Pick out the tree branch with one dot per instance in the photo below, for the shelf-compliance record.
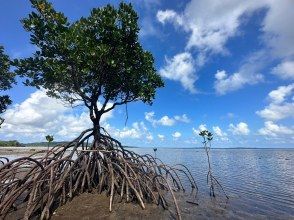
(125, 101)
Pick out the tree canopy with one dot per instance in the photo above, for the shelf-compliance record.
(96, 58)
(6, 80)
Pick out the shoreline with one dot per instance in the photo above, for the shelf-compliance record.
(21, 150)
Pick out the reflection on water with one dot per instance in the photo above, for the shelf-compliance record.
(259, 182)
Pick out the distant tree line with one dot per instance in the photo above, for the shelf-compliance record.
(13, 143)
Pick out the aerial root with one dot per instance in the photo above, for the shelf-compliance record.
(45, 181)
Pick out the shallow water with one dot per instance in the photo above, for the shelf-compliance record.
(259, 182)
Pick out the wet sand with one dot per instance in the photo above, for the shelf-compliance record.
(90, 206)
(94, 206)
(21, 150)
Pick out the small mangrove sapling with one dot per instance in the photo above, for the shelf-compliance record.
(154, 149)
(49, 139)
(211, 180)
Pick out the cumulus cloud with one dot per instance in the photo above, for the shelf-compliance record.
(182, 118)
(181, 68)
(246, 75)
(284, 70)
(39, 115)
(201, 127)
(278, 31)
(149, 137)
(165, 120)
(138, 130)
(176, 135)
(218, 132)
(163, 16)
(276, 112)
(281, 104)
(211, 23)
(239, 129)
(274, 130)
(279, 95)
(161, 137)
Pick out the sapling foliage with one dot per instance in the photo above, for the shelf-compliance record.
(49, 139)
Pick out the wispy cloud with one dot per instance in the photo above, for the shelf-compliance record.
(165, 120)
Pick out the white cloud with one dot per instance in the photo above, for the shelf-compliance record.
(274, 130)
(39, 115)
(218, 132)
(161, 137)
(149, 137)
(181, 68)
(210, 23)
(246, 75)
(176, 135)
(147, 23)
(201, 127)
(234, 82)
(278, 31)
(149, 116)
(284, 70)
(182, 118)
(281, 93)
(276, 112)
(281, 105)
(165, 120)
(221, 135)
(239, 129)
(163, 16)
(138, 130)
(128, 133)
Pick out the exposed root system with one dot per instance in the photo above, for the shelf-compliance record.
(42, 182)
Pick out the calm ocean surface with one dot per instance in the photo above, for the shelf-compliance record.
(259, 182)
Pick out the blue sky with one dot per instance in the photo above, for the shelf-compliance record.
(228, 66)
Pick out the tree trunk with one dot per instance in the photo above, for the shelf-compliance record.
(95, 116)
(96, 131)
